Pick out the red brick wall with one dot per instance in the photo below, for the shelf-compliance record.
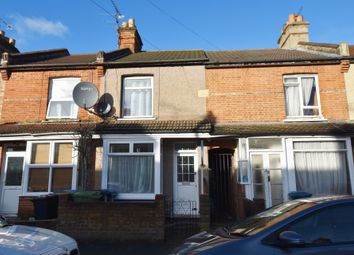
(256, 94)
(120, 220)
(26, 93)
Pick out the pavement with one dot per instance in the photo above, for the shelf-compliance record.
(128, 247)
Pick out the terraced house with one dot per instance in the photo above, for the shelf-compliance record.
(190, 133)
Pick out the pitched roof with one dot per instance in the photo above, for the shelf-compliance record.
(122, 127)
(63, 57)
(280, 128)
(164, 57)
(264, 56)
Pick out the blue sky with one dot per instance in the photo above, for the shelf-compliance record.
(82, 27)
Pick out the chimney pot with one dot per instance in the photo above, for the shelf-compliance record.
(124, 24)
(12, 41)
(131, 23)
(2, 33)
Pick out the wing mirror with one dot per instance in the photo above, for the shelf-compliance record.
(291, 239)
(3, 222)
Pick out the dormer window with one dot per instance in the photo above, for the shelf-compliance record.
(137, 97)
(61, 104)
(302, 96)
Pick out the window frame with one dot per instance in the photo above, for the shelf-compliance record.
(131, 142)
(299, 85)
(123, 96)
(51, 99)
(50, 165)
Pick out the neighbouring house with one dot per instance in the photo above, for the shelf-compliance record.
(190, 133)
(286, 110)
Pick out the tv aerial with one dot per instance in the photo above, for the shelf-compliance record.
(118, 15)
(8, 26)
(85, 95)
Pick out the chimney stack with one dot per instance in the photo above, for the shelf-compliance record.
(129, 37)
(294, 31)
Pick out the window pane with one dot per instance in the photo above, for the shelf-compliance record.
(137, 97)
(143, 147)
(131, 174)
(14, 171)
(61, 179)
(119, 148)
(63, 153)
(185, 146)
(290, 79)
(40, 153)
(292, 100)
(62, 109)
(62, 88)
(38, 180)
(265, 143)
(320, 145)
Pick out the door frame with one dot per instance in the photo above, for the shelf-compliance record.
(266, 174)
(4, 172)
(196, 179)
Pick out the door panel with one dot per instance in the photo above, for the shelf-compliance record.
(267, 177)
(186, 197)
(11, 183)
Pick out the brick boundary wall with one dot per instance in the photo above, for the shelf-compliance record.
(109, 221)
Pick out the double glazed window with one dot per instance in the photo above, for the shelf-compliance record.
(50, 167)
(321, 167)
(131, 168)
(61, 103)
(137, 97)
(302, 96)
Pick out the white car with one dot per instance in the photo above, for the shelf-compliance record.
(25, 240)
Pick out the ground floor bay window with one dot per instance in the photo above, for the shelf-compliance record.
(131, 168)
(50, 167)
(271, 167)
(322, 167)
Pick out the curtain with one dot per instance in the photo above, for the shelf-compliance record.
(293, 107)
(137, 97)
(321, 172)
(309, 94)
(131, 174)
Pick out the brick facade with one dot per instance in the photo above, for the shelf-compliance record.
(26, 93)
(256, 94)
(120, 220)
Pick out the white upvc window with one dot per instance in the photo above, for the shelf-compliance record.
(137, 97)
(50, 167)
(131, 168)
(321, 166)
(61, 104)
(302, 96)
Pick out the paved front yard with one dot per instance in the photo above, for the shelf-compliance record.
(128, 248)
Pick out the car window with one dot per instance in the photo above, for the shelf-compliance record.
(327, 226)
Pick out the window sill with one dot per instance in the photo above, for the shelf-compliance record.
(310, 119)
(140, 197)
(61, 120)
(136, 118)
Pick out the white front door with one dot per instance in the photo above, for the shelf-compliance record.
(186, 195)
(267, 177)
(11, 182)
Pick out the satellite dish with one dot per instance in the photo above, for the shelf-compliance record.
(85, 94)
(104, 105)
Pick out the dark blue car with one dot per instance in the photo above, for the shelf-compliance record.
(307, 226)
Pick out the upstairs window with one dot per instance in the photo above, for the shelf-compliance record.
(137, 97)
(302, 96)
(61, 104)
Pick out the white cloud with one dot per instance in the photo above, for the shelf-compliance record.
(42, 26)
(29, 29)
